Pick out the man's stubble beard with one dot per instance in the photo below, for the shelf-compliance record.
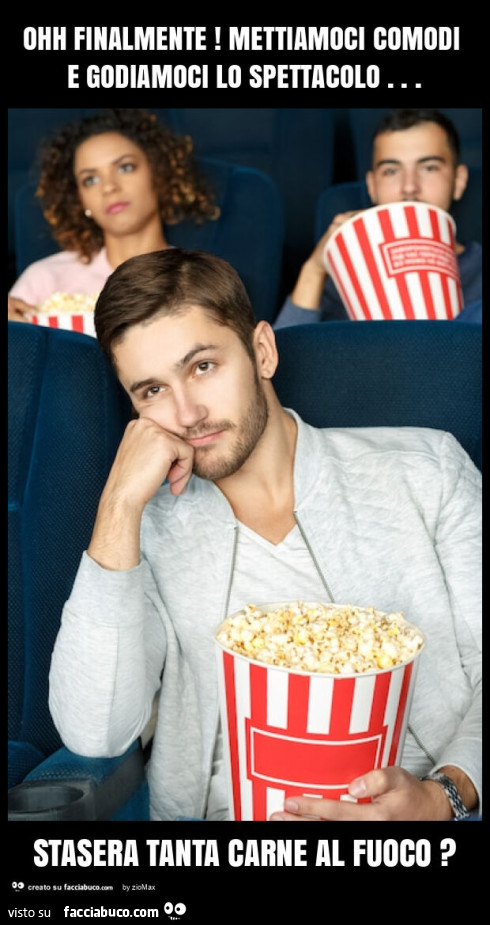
(248, 432)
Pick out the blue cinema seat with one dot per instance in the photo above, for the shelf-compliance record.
(25, 130)
(248, 234)
(293, 146)
(390, 373)
(66, 415)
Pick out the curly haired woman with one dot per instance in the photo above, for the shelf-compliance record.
(108, 185)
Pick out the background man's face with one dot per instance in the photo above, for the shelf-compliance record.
(415, 164)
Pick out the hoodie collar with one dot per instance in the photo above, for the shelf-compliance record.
(306, 460)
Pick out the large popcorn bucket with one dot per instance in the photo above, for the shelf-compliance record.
(396, 262)
(82, 322)
(295, 733)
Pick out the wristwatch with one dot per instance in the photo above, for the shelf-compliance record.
(459, 809)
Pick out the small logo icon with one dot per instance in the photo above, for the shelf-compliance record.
(175, 912)
(17, 885)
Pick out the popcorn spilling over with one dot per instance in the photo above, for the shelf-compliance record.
(66, 302)
(330, 638)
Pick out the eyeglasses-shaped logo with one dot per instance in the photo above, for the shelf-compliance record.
(175, 912)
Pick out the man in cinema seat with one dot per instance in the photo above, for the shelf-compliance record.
(219, 497)
(416, 157)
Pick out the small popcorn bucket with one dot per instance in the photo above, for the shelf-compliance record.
(397, 261)
(293, 733)
(83, 322)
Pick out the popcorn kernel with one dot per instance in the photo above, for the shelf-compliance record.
(328, 638)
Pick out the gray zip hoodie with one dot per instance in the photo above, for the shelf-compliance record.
(391, 517)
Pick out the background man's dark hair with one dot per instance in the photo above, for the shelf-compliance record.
(168, 282)
(403, 119)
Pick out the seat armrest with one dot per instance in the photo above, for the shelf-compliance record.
(68, 787)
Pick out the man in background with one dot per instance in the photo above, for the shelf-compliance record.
(415, 157)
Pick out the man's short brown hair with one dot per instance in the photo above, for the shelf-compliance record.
(167, 282)
(402, 119)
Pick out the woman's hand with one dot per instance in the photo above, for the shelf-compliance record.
(19, 310)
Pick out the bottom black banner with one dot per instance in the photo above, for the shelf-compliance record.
(190, 871)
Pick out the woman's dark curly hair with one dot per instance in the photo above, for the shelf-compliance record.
(182, 192)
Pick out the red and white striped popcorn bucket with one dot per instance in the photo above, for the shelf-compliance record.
(396, 262)
(296, 733)
(83, 322)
